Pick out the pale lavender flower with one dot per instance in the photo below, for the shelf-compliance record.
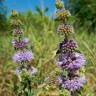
(32, 70)
(75, 84)
(25, 56)
(73, 62)
(18, 71)
(60, 80)
(26, 40)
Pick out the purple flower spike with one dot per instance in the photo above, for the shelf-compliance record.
(32, 70)
(70, 60)
(20, 57)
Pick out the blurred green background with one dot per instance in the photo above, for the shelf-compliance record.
(41, 30)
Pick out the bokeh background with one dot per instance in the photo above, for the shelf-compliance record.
(39, 26)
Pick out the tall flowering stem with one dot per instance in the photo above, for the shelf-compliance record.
(23, 56)
(69, 59)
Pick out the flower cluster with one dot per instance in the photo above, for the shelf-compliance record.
(17, 31)
(20, 44)
(23, 56)
(69, 59)
(62, 14)
(71, 62)
(67, 46)
(74, 84)
(65, 28)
